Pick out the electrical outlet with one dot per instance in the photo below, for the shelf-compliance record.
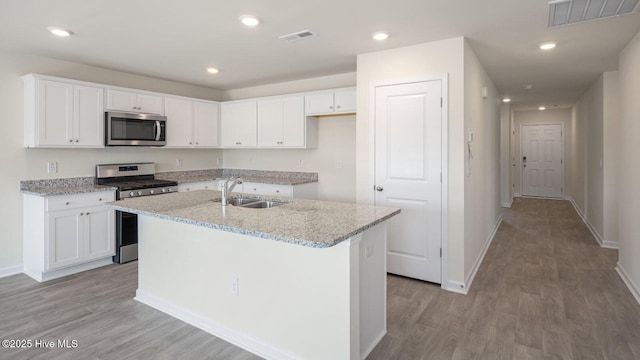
(301, 163)
(235, 286)
(339, 164)
(179, 162)
(368, 251)
(52, 167)
(218, 161)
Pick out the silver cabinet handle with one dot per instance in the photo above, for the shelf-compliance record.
(379, 188)
(70, 140)
(67, 203)
(158, 130)
(87, 213)
(77, 140)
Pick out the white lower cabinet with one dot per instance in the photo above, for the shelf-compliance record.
(301, 191)
(200, 185)
(67, 234)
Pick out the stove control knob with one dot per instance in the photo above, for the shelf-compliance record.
(132, 194)
(164, 190)
(169, 189)
(151, 192)
(140, 193)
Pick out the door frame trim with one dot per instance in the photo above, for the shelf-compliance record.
(562, 163)
(444, 162)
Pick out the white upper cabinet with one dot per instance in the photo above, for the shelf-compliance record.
(129, 101)
(62, 114)
(179, 113)
(335, 102)
(282, 123)
(239, 124)
(192, 123)
(206, 123)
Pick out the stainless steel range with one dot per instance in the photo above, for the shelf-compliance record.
(132, 180)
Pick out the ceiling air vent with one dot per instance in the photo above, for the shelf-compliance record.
(304, 34)
(563, 12)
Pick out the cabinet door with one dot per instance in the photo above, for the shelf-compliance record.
(179, 114)
(239, 124)
(206, 123)
(293, 122)
(150, 104)
(65, 245)
(202, 185)
(88, 116)
(122, 101)
(270, 123)
(345, 101)
(267, 189)
(98, 233)
(318, 104)
(55, 113)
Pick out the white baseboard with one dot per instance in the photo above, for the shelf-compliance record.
(245, 341)
(507, 204)
(455, 286)
(363, 355)
(635, 290)
(483, 252)
(603, 243)
(40, 276)
(515, 195)
(11, 270)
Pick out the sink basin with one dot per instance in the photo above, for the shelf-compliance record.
(239, 201)
(262, 204)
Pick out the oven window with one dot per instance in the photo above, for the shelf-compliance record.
(132, 129)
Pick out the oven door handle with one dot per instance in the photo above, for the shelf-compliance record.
(158, 130)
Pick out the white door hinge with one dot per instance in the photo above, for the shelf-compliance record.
(440, 252)
(441, 177)
(440, 102)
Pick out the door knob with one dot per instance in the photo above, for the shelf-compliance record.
(379, 188)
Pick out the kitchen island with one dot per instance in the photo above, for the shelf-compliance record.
(303, 280)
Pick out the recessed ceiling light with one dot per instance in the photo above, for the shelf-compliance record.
(542, 108)
(528, 87)
(212, 70)
(59, 31)
(547, 46)
(380, 36)
(506, 100)
(250, 20)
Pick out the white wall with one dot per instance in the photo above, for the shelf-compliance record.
(406, 64)
(549, 116)
(482, 185)
(506, 190)
(611, 134)
(333, 159)
(629, 172)
(592, 118)
(24, 164)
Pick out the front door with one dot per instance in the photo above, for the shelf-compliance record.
(408, 165)
(542, 160)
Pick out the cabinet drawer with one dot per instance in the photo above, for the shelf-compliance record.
(63, 202)
(267, 189)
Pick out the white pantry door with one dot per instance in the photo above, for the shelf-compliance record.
(542, 160)
(408, 165)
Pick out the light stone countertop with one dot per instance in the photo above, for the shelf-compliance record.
(258, 176)
(304, 222)
(67, 186)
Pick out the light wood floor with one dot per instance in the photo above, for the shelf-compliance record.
(545, 290)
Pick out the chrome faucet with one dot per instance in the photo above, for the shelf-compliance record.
(227, 189)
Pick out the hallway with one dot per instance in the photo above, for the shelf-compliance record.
(545, 290)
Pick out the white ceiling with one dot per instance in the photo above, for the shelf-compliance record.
(177, 40)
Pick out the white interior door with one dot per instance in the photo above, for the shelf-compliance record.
(408, 165)
(542, 160)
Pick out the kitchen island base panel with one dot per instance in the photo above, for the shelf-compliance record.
(277, 300)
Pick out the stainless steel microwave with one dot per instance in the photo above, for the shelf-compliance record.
(122, 129)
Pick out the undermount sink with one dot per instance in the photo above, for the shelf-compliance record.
(253, 203)
(262, 204)
(239, 201)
